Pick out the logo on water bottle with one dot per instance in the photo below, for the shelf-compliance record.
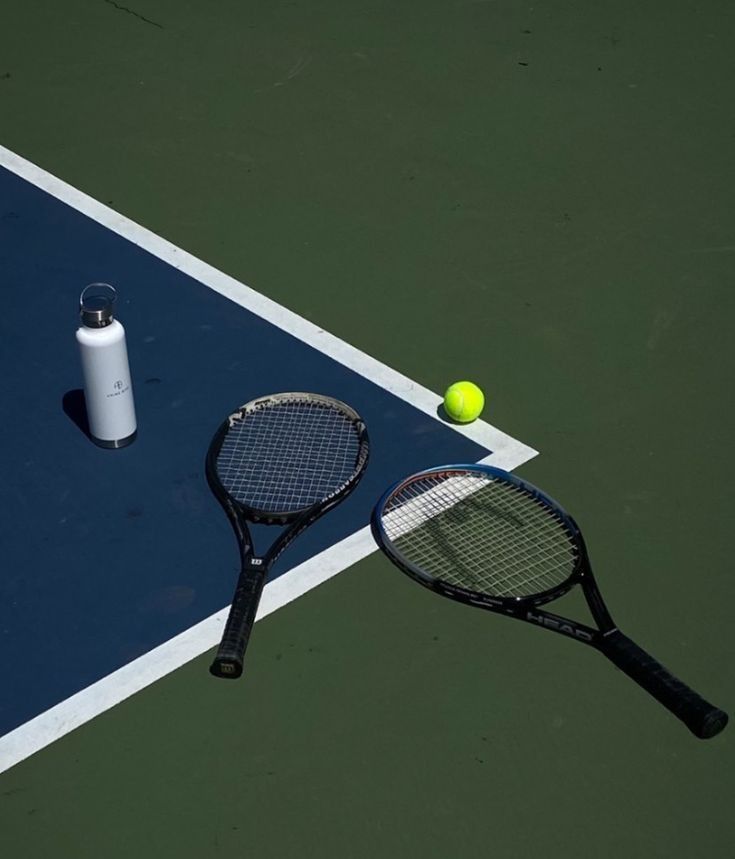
(120, 388)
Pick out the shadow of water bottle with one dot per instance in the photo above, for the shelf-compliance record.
(75, 408)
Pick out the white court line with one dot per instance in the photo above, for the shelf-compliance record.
(429, 503)
(507, 453)
(64, 717)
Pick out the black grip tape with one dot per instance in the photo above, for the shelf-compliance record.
(702, 719)
(231, 651)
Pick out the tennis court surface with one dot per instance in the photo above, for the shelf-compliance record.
(368, 201)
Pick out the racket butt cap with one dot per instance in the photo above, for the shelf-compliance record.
(713, 724)
(226, 668)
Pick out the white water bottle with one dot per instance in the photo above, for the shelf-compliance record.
(108, 389)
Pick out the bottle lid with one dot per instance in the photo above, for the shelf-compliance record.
(96, 304)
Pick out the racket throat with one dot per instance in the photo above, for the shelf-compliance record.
(253, 563)
(602, 616)
(254, 571)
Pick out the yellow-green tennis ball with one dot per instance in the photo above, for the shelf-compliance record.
(463, 402)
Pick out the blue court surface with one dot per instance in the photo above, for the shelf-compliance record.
(119, 565)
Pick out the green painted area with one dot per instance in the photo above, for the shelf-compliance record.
(538, 197)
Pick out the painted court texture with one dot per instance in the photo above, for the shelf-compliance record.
(370, 201)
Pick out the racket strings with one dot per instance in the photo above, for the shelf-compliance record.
(288, 455)
(480, 534)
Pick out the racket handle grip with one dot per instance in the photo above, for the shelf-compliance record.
(230, 655)
(702, 719)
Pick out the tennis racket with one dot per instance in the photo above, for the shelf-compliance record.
(484, 537)
(286, 460)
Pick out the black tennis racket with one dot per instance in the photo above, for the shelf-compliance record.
(484, 537)
(285, 459)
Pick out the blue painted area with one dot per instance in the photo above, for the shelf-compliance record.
(107, 554)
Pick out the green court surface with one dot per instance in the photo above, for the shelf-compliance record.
(535, 196)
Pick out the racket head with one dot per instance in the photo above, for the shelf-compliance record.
(279, 456)
(480, 535)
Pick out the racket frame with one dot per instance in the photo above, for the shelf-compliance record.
(701, 717)
(254, 569)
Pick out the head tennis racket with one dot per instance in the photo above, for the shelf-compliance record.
(484, 537)
(286, 460)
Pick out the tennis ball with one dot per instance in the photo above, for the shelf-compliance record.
(463, 402)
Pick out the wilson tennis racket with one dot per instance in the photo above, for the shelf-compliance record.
(286, 460)
(484, 537)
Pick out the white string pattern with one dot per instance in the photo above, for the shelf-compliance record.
(473, 531)
(287, 455)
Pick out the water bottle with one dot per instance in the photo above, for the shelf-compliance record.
(108, 390)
